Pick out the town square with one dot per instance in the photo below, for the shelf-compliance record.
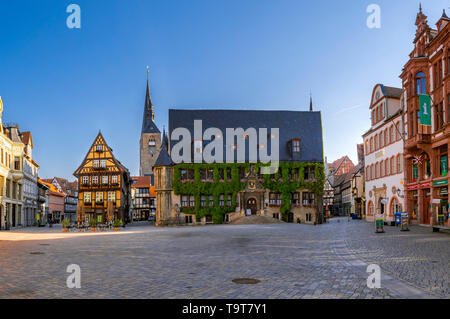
(195, 151)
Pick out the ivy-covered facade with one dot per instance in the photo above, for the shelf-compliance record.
(201, 193)
(216, 190)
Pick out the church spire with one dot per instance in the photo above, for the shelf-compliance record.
(148, 121)
(311, 108)
(165, 139)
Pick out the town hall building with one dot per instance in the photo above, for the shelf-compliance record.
(192, 192)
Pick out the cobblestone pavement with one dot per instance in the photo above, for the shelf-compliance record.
(419, 257)
(290, 260)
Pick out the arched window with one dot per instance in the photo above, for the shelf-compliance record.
(421, 83)
(395, 207)
(371, 144)
(382, 169)
(399, 163)
(386, 137)
(367, 147)
(377, 170)
(376, 142)
(386, 165)
(393, 170)
(381, 139)
(397, 129)
(391, 133)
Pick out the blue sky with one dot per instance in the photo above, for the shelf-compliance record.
(66, 84)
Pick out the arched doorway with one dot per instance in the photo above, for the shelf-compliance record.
(252, 205)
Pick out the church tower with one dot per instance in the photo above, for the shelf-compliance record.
(150, 143)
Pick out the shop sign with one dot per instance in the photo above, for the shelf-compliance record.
(442, 182)
(412, 187)
(425, 185)
(436, 201)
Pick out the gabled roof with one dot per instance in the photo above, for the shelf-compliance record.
(116, 162)
(52, 190)
(27, 138)
(337, 163)
(65, 187)
(306, 126)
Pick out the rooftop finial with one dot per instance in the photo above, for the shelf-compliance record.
(420, 7)
(311, 108)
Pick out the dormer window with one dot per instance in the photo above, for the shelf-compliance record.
(99, 148)
(294, 147)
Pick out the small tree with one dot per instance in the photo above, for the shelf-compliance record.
(117, 223)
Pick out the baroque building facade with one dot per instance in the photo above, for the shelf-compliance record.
(201, 193)
(104, 185)
(30, 185)
(18, 172)
(383, 146)
(426, 77)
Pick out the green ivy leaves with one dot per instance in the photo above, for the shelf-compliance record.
(279, 182)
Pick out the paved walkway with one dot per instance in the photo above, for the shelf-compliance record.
(290, 260)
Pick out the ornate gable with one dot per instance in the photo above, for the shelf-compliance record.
(99, 159)
(252, 181)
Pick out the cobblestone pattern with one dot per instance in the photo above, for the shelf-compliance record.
(290, 260)
(419, 257)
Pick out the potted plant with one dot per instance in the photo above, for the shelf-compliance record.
(92, 223)
(65, 224)
(117, 223)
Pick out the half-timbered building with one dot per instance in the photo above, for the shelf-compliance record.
(104, 185)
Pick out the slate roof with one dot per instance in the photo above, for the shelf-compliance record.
(306, 126)
(390, 91)
(163, 158)
(148, 126)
